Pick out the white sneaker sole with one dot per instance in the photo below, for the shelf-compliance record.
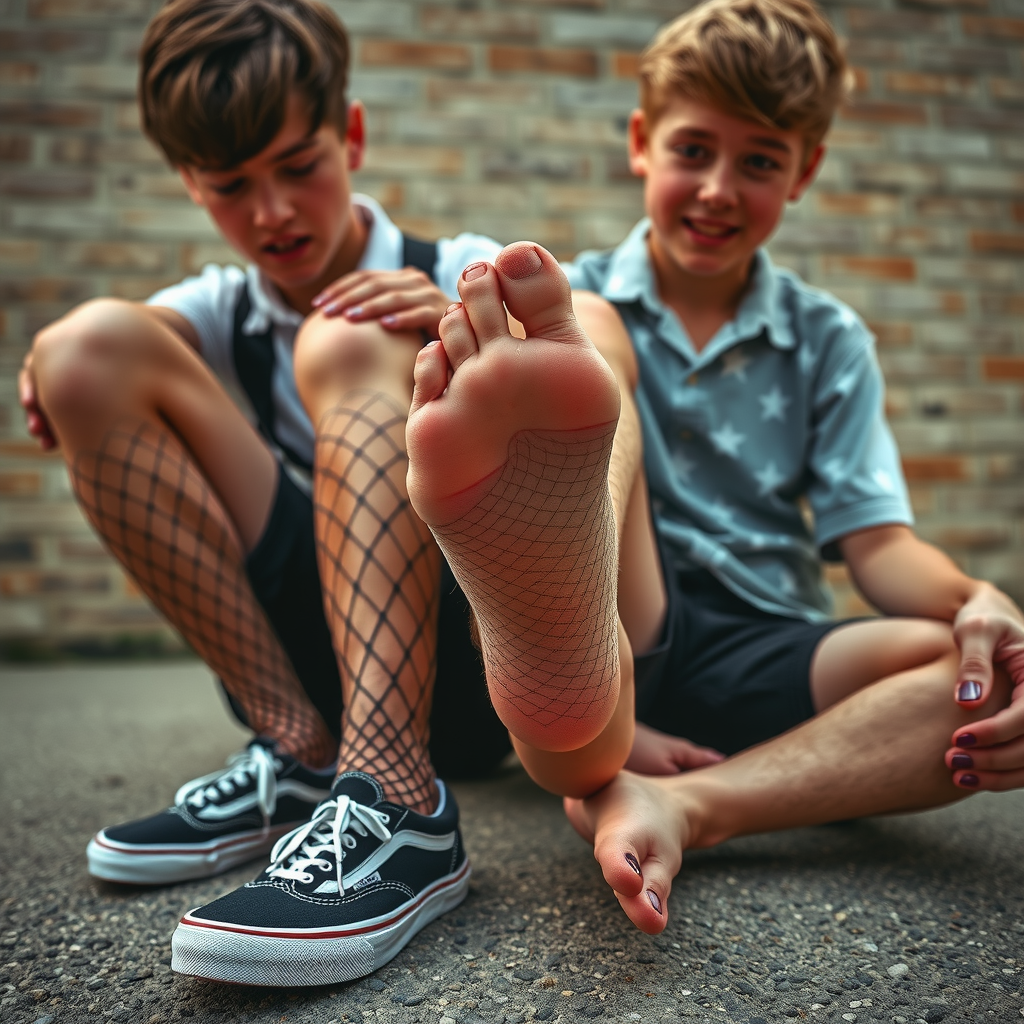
(308, 956)
(162, 865)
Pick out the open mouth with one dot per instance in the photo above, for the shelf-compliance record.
(287, 246)
(712, 232)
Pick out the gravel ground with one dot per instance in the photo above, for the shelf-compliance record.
(905, 919)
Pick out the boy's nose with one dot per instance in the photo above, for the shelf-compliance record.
(272, 207)
(718, 189)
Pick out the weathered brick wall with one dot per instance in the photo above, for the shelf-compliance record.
(508, 117)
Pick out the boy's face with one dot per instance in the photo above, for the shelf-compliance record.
(288, 208)
(716, 186)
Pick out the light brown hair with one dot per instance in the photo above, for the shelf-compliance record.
(776, 62)
(216, 75)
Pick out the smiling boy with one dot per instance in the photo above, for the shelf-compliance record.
(760, 399)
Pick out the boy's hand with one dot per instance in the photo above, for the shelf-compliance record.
(657, 753)
(402, 300)
(35, 418)
(989, 754)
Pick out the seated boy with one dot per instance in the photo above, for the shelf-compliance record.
(756, 393)
(282, 543)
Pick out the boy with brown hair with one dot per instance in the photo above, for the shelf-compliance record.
(241, 449)
(758, 394)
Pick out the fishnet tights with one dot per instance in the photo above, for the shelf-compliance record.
(536, 558)
(380, 571)
(161, 520)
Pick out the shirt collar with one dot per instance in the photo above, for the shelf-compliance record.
(631, 279)
(383, 251)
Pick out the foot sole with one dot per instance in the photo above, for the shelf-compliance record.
(112, 861)
(306, 956)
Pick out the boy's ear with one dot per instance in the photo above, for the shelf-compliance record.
(638, 142)
(185, 173)
(807, 175)
(355, 135)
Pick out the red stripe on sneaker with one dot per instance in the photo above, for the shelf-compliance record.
(327, 933)
(198, 851)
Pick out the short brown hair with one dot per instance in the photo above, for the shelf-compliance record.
(777, 62)
(216, 75)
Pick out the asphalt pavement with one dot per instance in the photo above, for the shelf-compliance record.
(903, 919)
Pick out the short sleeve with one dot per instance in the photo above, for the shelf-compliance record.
(208, 303)
(455, 254)
(856, 476)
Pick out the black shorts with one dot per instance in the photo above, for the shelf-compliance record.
(725, 674)
(467, 738)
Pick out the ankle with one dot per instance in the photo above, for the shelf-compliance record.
(703, 804)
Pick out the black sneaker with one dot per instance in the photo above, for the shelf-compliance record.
(218, 821)
(342, 896)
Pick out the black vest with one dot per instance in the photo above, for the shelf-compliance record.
(254, 353)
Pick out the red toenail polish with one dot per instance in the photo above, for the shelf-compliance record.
(655, 900)
(473, 271)
(634, 864)
(454, 306)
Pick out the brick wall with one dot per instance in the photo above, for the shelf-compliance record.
(507, 117)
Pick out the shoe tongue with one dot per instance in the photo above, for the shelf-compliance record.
(357, 786)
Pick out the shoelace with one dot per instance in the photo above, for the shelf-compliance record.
(328, 832)
(255, 761)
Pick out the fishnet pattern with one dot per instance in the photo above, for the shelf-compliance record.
(161, 520)
(381, 573)
(536, 558)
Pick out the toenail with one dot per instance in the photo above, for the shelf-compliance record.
(473, 271)
(968, 690)
(961, 761)
(655, 900)
(635, 864)
(454, 306)
(969, 780)
(966, 739)
(520, 263)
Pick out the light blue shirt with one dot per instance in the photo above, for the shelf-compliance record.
(767, 446)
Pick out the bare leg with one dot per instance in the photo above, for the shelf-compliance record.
(178, 485)
(379, 565)
(879, 751)
(510, 464)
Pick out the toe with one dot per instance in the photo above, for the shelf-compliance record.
(480, 291)
(536, 292)
(430, 376)
(457, 335)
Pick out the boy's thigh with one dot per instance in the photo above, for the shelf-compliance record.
(726, 675)
(467, 737)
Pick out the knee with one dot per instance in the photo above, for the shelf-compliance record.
(77, 359)
(333, 355)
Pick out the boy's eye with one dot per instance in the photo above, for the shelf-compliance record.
(692, 151)
(760, 162)
(301, 171)
(227, 188)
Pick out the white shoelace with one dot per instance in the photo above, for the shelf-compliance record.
(253, 762)
(330, 831)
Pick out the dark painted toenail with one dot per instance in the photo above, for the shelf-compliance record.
(961, 761)
(966, 739)
(520, 263)
(473, 271)
(968, 780)
(655, 900)
(635, 864)
(454, 306)
(969, 690)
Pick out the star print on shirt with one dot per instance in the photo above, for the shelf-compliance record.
(722, 512)
(834, 469)
(884, 481)
(727, 440)
(735, 363)
(773, 405)
(768, 478)
(683, 466)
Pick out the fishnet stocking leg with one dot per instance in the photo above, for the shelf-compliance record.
(381, 572)
(162, 521)
(536, 558)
